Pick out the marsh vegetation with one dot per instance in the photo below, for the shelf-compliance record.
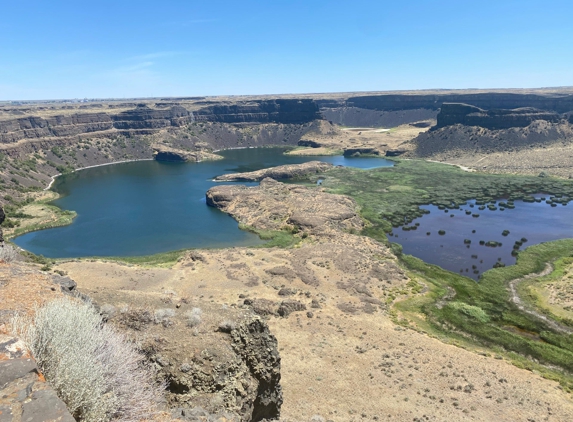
(456, 308)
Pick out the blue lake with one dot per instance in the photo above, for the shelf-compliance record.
(148, 207)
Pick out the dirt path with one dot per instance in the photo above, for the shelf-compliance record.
(520, 304)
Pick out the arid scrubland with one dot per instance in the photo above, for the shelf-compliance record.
(327, 321)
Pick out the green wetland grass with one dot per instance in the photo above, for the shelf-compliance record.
(391, 197)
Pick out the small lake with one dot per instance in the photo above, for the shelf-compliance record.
(148, 207)
(535, 221)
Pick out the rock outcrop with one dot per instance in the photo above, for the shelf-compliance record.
(165, 153)
(275, 206)
(288, 171)
(243, 380)
(253, 342)
(456, 113)
(286, 111)
(24, 393)
(457, 140)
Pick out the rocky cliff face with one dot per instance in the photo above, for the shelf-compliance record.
(360, 117)
(32, 127)
(37, 127)
(291, 111)
(147, 120)
(459, 140)
(487, 101)
(455, 113)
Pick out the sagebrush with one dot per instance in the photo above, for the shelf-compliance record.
(8, 253)
(96, 371)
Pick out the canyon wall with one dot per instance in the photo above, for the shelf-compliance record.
(286, 111)
(454, 113)
(487, 101)
(146, 120)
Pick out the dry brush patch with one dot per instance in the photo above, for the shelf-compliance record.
(96, 371)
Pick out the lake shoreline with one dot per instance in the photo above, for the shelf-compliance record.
(94, 166)
(265, 157)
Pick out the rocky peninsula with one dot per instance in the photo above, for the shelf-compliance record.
(288, 171)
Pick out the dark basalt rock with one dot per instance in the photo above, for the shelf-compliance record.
(394, 152)
(354, 152)
(308, 143)
(24, 395)
(468, 115)
(487, 101)
(268, 111)
(259, 350)
(289, 306)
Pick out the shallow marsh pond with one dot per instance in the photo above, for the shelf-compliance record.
(464, 248)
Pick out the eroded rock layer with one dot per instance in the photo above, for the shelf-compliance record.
(288, 171)
(275, 206)
(455, 113)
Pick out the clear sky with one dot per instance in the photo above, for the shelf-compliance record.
(127, 48)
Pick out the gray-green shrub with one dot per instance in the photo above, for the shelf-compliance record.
(96, 371)
(8, 253)
(194, 317)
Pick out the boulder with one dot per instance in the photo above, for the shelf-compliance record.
(24, 394)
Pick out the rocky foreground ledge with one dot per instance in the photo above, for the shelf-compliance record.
(288, 171)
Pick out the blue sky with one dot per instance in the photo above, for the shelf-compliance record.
(125, 48)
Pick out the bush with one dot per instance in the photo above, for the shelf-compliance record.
(95, 370)
(163, 316)
(8, 253)
(194, 317)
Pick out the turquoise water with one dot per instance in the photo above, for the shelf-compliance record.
(148, 207)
